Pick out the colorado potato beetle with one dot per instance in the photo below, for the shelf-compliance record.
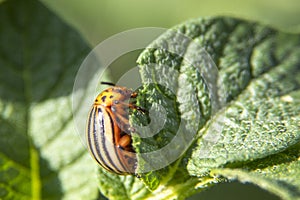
(108, 130)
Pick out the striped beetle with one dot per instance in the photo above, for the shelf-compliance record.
(108, 130)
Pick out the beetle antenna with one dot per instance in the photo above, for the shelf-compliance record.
(107, 83)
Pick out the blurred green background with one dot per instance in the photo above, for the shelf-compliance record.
(97, 20)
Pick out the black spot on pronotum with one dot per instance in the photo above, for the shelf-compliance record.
(103, 98)
(111, 96)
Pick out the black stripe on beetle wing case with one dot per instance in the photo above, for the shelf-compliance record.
(92, 139)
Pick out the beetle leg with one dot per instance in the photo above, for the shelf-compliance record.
(120, 110)
(123, 124)
(128, 105)
(133, 94)
(135, 107)
(124, 141)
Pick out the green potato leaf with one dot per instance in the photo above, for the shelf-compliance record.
(240, 112)
(41, 155)
(126, 187)
(278, 173)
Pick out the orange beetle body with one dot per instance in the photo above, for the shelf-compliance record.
(108, 130)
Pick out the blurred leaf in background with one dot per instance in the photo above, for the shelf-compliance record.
(41, 155)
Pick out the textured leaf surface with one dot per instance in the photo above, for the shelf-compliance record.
(41, 155)
(121, 187)
(258, 115)
(278, 173)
